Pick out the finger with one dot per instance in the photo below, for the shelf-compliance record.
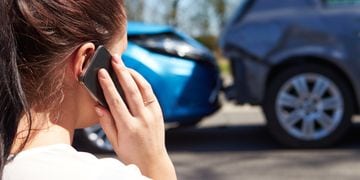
(107, 123)
(131, 91)
(148, 95)
(116, 104)
(144, 86)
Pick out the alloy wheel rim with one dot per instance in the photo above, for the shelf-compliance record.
(97, 137)
(309, 106)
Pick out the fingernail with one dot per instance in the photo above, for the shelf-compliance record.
(99, 112)
(102, 73)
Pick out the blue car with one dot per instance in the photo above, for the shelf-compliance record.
(183, 73)
(299, 60)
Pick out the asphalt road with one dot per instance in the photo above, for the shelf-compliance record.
(234, 144)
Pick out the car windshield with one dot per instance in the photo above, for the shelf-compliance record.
(241, 10)
(242, 5)
(341, 2)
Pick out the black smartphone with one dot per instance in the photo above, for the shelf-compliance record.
(101, 59)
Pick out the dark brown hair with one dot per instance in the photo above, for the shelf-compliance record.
(36, 37)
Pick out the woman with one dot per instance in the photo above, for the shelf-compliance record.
(44, 46)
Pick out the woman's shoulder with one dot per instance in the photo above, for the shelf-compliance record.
(53, 154)
(50, 162)
(64, 162)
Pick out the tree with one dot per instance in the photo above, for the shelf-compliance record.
(200, 17)
(220, 10)
(173, 12)
(135, 9)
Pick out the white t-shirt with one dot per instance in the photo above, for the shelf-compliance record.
(63, 162)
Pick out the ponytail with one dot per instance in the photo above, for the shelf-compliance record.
(12, 99)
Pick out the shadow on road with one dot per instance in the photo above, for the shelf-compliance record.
(238, 138)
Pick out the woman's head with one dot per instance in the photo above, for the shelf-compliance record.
(39, 40)
(47, 32)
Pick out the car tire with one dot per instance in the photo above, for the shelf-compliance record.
(92, 140)
(320, 113)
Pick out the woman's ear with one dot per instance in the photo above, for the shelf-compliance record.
(81, 58)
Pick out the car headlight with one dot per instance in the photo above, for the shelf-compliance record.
(169, 44)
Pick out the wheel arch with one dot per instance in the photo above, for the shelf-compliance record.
(298, 60)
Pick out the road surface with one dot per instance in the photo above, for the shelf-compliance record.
(234, 144)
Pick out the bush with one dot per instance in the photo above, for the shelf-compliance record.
(209, 41)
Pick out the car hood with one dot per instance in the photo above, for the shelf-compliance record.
(140, 28)
(136, 28)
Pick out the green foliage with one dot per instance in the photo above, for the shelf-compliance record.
(193, 17)
(209, 41)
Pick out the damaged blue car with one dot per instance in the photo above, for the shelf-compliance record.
(299, 60)
(183, 73)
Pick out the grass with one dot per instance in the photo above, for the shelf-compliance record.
(224, 64)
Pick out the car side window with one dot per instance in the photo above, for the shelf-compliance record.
(335, 3)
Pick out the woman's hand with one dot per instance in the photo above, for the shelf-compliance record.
(137, 134)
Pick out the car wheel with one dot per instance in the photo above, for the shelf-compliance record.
(308, 106)
(93, 139)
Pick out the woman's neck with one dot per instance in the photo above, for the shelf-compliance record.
(44, 131)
